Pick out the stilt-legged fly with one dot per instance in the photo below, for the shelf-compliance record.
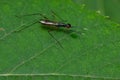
(47, 22)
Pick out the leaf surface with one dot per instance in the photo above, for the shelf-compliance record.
(34, 54)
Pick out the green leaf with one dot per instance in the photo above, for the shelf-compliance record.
(110, 8)
(90, 53)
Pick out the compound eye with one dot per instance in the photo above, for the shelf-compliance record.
(68, 25)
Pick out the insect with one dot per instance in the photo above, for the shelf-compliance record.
(47, 22)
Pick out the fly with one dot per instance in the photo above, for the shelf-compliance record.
(56, 24)
(47, 22)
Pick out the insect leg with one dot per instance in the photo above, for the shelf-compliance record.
(54, 14)
(55, 39)
(32, 15)
(24, 27)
